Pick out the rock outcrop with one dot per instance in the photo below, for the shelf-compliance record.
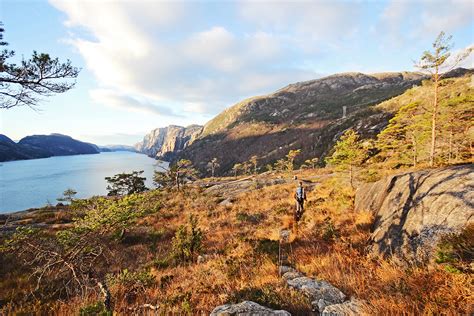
(247, 308)
(165, 143)
(43, 146)
(413, 210)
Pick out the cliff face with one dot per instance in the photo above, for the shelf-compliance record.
(413, 210)
(165, 143)
(43, 146)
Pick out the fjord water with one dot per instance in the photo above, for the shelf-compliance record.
(32, 183)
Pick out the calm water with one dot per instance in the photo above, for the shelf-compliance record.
(32, 183)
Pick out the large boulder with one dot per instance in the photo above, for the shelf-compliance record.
(413, 210)
(247, 308)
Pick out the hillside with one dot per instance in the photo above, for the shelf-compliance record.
(306, 115)
(43, 146)
(238, 223)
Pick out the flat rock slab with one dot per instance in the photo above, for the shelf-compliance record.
(247, 308)
(321, 293)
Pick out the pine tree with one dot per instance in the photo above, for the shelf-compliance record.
(404, 140)
(434, 63)
(348, 153)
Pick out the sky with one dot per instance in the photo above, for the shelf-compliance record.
(148, 64)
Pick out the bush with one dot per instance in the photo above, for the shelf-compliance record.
(457, 250)
(268, 247)
(187, 243)
(251, 218)
(135, 279)
(96, 309)
(265, 296)
(328, 230)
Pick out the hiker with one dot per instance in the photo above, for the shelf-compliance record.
(300, 197)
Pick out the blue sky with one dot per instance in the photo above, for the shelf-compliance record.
(148, 64)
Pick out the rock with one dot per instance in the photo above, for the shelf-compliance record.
(200, 259)
(285, 269)
(164, 143)
(413, 210)
(285, 235)
(290, 275)
(348, 308)
(246, 308)
(321, 293)
(226, 202)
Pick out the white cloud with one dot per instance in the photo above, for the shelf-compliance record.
(316, 20)
(178, 55)
(199, 69)
(113, 99)
(404, 20)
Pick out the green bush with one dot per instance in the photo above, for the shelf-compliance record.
(187, 243)
(132, 281)
(456, 250)
(96, 309)
(268, 247)
(328, 230)
(265, 296)
(250, 218)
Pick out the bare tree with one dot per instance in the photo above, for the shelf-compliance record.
(213, 165)
(254, 161)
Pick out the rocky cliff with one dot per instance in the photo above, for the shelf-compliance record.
(165, 143)
(413, 210)
(43, 146)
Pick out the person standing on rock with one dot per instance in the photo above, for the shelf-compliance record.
(300, 198)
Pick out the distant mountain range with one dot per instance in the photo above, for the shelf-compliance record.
(44, 146)
(306, 115)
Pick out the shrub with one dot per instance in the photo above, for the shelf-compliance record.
(251, 218)
(268, 247)
(456, 250)
(187, 243)
(96, 309)
(328, 230)
(265, 296)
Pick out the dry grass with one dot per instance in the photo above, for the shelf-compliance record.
(239, 247)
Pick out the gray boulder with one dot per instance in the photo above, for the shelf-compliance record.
(291, 274)
(246, 308)
(348, 308)
(413, 210)
(321, 293)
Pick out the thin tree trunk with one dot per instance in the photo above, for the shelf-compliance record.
(434, 121)
(350, 176)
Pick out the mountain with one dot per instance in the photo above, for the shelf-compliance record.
(110, 148)
(43, 146)
(166, 142)
(306, 115)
